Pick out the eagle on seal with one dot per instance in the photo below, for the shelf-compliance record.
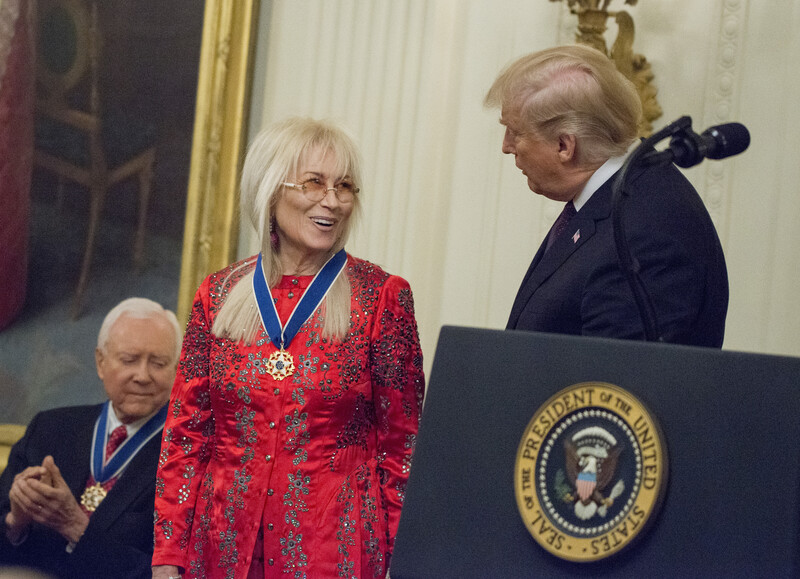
(591, 462)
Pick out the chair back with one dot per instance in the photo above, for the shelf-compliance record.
(67, 44)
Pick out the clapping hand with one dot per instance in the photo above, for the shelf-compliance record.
(40, 494)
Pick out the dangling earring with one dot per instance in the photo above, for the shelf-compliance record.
(273, 235)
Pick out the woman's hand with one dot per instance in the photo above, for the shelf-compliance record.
(165, 572)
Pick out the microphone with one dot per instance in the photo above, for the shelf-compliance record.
(726, 140)
(687, 148)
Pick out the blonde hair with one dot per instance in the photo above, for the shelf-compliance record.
(274, 155)
(574, 90)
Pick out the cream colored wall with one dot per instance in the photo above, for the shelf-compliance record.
(446, 210)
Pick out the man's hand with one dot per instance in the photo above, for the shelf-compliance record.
(44, 497)
(22, 498)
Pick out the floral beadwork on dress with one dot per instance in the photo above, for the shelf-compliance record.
(316, 464)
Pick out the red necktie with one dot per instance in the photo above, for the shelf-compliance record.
(118, 435)
(561, 224)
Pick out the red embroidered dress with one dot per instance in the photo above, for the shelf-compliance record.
(318, 462)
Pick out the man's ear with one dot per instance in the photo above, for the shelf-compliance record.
(566, 148)
(98, 360)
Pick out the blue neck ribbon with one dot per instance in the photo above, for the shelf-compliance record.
(127, 450)
(281, 335)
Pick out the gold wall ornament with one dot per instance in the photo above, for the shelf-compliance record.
(223, 93)
(592, 18)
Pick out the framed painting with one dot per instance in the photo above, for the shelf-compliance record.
(184, 69)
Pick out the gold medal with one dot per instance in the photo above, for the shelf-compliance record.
(93, 496)
(280, 364)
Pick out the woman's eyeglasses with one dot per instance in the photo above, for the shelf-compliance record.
(315, 190)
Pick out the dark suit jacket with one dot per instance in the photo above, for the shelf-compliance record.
(578, 287)
(119, 539)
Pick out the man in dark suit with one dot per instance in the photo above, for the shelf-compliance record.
(571, 120)
(77, 495)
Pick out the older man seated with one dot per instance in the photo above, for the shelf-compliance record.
(77, 495)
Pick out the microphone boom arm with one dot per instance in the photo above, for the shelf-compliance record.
(686, 149)
(628, 264)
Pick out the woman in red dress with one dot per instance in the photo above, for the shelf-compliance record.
(295, 410)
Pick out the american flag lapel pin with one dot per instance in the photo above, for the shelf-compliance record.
(576, 237)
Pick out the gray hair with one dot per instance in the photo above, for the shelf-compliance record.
(139, 308)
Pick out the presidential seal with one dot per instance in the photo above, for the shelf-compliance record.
(590, 472)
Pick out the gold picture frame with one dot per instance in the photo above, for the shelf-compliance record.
(223, 96)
